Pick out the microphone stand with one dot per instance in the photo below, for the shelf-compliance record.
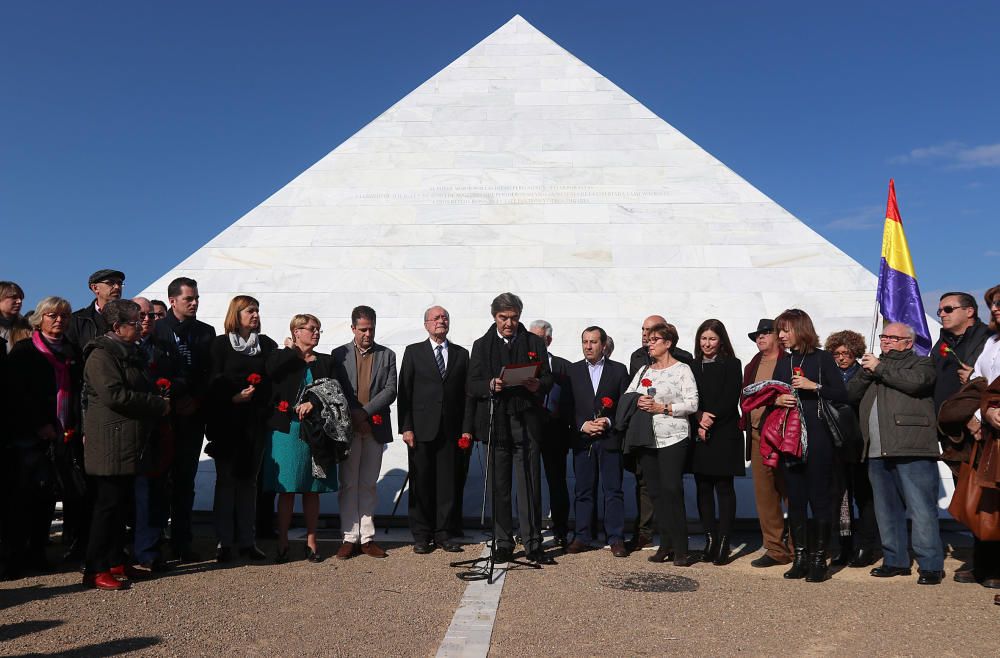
(484, 568)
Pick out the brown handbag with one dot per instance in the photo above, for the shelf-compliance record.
(974, 506)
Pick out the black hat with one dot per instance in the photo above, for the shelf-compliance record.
(764, 326)
(101, 275)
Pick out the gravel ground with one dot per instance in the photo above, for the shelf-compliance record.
(589, 604)
(399, 606)
(575, 609)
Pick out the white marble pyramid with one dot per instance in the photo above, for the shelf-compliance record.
(518, 167)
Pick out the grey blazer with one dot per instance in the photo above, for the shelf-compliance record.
(383, 389)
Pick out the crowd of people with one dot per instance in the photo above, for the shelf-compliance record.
(108, 409)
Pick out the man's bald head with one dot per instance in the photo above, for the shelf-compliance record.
(648, 324)
(145, 315)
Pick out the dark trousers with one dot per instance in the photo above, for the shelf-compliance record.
(985, 559)
(810, 484)
(663, 469)
(27, 502)
(106, 545)
(518, 457)
(590, 466)
(151, 509)
(643, 501)
(554, 450)
(461, 474)
(710, 486)
(189, 434)
(851, 487)
(432, 488)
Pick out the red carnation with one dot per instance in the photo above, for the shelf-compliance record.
(253, 379)
(607, 403)
(163, 384)
(69, 435)
(945, 351)
(646, 382)
(798, 371)
(464, 442)
(376, 419)
(532, 355)
(283, 406)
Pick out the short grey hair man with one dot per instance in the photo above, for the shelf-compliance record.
(546, 328)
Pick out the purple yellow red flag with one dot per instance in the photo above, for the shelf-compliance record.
(898, 293)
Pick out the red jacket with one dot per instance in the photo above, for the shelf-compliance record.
(782, 431)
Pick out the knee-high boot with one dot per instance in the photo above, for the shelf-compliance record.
(818, 569)
(800, 539)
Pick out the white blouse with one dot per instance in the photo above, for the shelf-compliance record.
(675, 385)
(988, 363)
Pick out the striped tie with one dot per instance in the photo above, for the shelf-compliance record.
(440, 360)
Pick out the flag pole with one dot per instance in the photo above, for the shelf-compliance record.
(871, 342)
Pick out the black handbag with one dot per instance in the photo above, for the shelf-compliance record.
(845, 429)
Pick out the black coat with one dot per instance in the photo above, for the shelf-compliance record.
(814, 364)
(719, 387)
(85, 325)
(559, 430)
(587, 404)
(516, 399)
(640, 358)
(230, 425)
(190, 379)
(967, 347)
(31, 390)
(426, 403)
(286, 371)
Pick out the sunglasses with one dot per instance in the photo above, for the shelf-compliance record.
(995, 303)
(944, 310)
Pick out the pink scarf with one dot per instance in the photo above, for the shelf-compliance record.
(64, 387)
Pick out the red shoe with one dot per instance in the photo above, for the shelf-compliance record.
(103, 580)
(128, 572)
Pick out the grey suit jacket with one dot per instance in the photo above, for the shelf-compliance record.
(383, 389)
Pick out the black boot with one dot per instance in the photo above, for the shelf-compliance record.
(797, 530)
(723, 552)
(711, 547)
(845, 551)
(818, 569)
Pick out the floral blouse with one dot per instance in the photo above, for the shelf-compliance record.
(675, 385)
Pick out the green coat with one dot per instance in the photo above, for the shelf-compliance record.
(121, 407)
(903, 384)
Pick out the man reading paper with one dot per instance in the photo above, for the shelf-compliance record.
(517, 423)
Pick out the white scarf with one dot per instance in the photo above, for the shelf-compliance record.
(250, 346)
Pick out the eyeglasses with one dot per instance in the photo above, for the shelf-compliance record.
(151, 316)
(948, 309)
(312, 330)
(113, 283)
(892, 339)
(843, 353)
(995, 303)
(56, 316)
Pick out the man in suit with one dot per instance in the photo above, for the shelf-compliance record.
(192, 340)
(431, 412)
(367, 374)
(557, 435)
(517, 416)
(643, 535)
(596, 381)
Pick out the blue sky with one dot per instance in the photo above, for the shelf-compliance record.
(133, 132)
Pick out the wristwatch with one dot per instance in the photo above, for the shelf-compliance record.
(818, 387)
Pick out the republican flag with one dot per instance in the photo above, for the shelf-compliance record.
(898, 294)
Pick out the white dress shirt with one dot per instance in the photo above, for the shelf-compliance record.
(444, 349)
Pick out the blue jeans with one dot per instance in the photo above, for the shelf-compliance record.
(151, 508)
(904, 487)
